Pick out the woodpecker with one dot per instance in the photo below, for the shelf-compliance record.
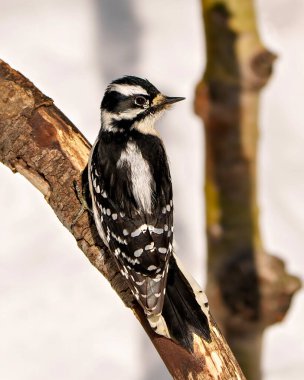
(131, 192)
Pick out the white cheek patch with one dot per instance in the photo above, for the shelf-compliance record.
(107, 117)
(127, 90)
(128, 114)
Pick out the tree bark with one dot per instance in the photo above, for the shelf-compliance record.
(247, 288)
(39, 142)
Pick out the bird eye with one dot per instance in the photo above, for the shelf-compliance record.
(140, 101)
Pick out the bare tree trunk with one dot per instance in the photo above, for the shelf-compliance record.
(39, 142)
(248, 289)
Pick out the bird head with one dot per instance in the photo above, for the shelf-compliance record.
(133, 103)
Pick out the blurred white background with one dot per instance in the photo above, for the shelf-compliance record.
(58, 317)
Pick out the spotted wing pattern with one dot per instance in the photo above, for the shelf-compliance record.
(140, 243)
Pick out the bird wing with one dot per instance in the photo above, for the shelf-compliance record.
(141, 243)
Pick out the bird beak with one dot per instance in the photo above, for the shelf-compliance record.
(171, 100)
(161, 101)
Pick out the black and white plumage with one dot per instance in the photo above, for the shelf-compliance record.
(131, 191)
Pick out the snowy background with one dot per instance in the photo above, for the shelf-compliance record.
(58, 317)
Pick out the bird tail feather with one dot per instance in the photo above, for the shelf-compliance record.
(185, 311)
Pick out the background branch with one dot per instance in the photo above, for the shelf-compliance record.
(39, 142)
(248, 288)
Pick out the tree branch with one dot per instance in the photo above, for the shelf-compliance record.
(39, 142)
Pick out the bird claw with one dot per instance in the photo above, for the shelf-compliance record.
(81, 195)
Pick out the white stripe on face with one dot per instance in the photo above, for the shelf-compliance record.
(127, 90)
(128, 114)
(108, 117)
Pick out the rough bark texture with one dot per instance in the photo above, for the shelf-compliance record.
(39, 142)
(247, 288)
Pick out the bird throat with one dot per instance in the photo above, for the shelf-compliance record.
(147, 125)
